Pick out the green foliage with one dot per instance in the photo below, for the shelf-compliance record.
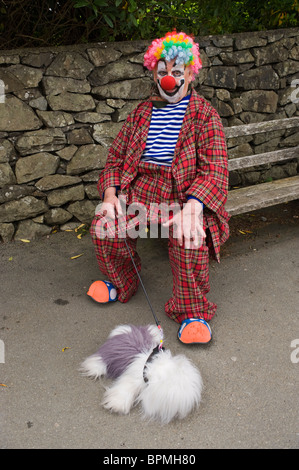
(57, 22)
(134, 19)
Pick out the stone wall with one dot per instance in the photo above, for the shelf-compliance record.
(62, 108)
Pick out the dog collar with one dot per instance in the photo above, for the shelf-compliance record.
(155, 351)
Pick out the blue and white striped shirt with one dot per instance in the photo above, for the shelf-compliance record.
(163, 133)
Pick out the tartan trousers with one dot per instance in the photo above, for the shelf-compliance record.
(190, 267)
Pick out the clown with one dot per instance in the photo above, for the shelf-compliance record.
(170, 151)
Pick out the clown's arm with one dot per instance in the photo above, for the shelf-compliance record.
(110, 177)
(210, 185)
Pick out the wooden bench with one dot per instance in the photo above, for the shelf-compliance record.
(262, 195)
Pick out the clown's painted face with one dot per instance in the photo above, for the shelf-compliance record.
(181, 77)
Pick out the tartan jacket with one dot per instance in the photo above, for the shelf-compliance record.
(199, 165)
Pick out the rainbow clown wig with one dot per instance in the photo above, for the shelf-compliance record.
(174, 45)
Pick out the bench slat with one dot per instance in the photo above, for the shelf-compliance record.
(263, 158)
(259, 127)
(262, 195)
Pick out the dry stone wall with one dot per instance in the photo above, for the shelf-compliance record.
(61, 108)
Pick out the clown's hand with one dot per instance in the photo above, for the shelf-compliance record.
(188, 225)
(111, 204)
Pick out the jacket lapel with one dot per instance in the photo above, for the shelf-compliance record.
(140, 135)
(137, 143)
(187, 122)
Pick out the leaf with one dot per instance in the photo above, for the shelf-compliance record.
(24, 240)
(80, 4)
(3, 385)
(80, 226)
(241, 231)
(95, 10)
(10, 259)
(100, 3)
(77, 256)
(108, 21)
(133, 19)
(63, 349)
(132, 6)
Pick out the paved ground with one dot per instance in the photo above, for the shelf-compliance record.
(250, 398)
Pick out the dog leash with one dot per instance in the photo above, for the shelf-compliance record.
(147, 298)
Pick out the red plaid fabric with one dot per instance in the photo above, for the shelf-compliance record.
(115, 263)
(154, 187)
(190, 269)
(199, 169)
(199, 166)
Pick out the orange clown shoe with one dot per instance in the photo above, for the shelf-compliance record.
(195, 331)
(102, 292)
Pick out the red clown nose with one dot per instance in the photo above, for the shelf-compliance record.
(168, 83)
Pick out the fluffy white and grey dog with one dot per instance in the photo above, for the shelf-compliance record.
(166, 386)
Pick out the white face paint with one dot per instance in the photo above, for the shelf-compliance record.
(182, 78)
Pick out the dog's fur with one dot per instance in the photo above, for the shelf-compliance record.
(166, 386)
